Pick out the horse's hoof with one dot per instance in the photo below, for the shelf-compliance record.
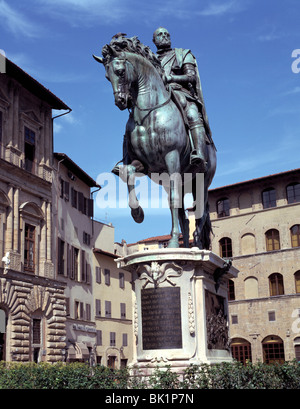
(137, 214)
(116, 170)
(173, 243)
(197, 242)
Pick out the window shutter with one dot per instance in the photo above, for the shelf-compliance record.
(83, 266)
(98, 275)
(90, 208)
(125, 340)
(88, 273)
(99, 337)
(81, 311)
(66, 191)
(123, 310)
(98, 308)
(107, 309)
(107, 276)
(80, 202)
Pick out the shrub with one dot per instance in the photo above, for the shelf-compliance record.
(80, 376)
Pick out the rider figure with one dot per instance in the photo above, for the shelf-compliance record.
(183, 80)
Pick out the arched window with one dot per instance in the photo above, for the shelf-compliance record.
(273, 350)
(269, 198)
(251, 287)
(225, 247)
(223, 207)
(297, 281)
(272, 240)
(276, 284)
(231, 290)
(293, 193)
(297, 348)
(241, 350)
(295, 235)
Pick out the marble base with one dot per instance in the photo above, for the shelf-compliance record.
(180, 307)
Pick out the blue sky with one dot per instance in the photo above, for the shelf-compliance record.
(244, 52)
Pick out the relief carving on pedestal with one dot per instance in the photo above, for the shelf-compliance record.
(156, 274)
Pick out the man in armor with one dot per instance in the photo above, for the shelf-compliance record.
(183, 80)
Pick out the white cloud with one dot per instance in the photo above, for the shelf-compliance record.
(15, 22)
(218, 9)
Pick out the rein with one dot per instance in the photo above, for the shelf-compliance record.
(156, 106)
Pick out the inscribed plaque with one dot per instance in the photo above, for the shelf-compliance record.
(161, 318)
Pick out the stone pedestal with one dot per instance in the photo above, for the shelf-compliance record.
(181, 307)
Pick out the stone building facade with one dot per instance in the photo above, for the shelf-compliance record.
(256, 223)
(74, 241)
(32, 302)
(112, 288)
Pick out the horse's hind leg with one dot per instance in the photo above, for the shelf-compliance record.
(175, 201)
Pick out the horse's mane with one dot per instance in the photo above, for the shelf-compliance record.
(132, 45)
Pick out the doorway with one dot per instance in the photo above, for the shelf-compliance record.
(3, 322)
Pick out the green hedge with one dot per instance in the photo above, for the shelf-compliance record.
(81, 376)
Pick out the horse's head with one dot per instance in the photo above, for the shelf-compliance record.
(119, 72)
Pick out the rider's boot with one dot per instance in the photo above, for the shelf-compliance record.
(199, 154)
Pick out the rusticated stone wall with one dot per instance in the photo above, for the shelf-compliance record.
(23, 300)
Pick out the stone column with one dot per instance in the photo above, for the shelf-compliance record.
(10, 221)
(16, 243)
(49, 232)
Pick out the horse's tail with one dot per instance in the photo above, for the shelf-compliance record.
(207, 230)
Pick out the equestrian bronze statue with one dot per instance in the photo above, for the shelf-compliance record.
(167, 131)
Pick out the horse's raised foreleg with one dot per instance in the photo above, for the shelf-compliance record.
(175, 198)
(128, 174)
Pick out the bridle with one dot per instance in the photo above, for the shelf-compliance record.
(150, 109)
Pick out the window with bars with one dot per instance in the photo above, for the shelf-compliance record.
(241, 350)
(29, 248)
(36, 331)
(273, 350)
(272, 240)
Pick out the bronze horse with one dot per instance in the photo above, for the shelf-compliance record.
(156, 138)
